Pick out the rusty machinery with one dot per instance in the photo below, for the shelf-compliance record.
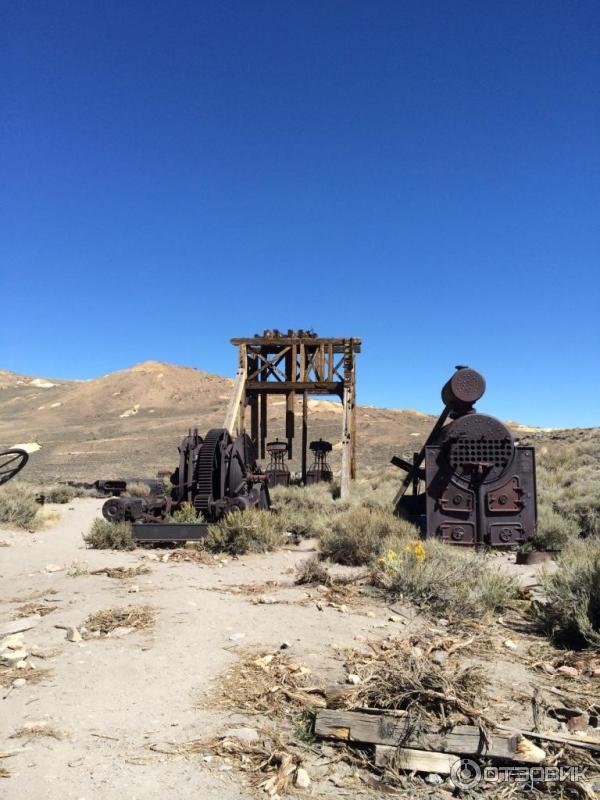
(12, 462)
(277, 472)
(480, 487)
(320, 470)
(216, 474)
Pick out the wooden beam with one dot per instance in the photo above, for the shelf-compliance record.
(231, 421)
(263, 424)
(414, 760)
(290, 405)
(356, 726)
(282, 387)
(304, 444)
(254, 421)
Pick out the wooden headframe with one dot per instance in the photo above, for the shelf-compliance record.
(290, 364)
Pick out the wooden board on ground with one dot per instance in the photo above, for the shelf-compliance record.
(414, 760)
(384, 729)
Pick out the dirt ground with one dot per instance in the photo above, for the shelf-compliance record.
(114, 698)
(120, 702)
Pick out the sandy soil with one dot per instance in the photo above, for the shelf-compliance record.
(115, 697)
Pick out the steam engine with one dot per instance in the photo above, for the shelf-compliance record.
(479, 486)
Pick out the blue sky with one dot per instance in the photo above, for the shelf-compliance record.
(425, 175)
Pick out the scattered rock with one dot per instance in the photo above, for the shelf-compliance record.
(14, 642)
(152, 557)
(73, 635)
(242, 734)
(434, 778)
(54, 568)
(548, 668)
(237, 637)
(509, 644)
(284, 646)
(19, 682)
(570, 672)
(133, 588)
(119, 633)
(353, 679)
(264, 600)
(302, 780)
(595, 673)
(12, 658)
(578, 722)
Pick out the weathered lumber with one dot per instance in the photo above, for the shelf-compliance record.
(384, 729)
(585, 744)
(414, 760)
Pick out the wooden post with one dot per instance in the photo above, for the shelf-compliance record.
(263, 423)
(290, 403)
(254, 420)
(304, 434)
(346, 444)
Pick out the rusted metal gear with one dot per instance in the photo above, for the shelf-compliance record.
(12, 462)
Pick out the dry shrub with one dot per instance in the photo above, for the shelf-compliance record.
(122, 573)
(312, 571)
(137, 489)
(401, 675)
(104, 535)
(265, 684)
(570, 613)
(78, 568)
(4, 773)
(58, 493)
(186, 514)
(18, 506)
(194, 553)
(446, 579)
(304, 509)
(251, 531)
(109, 619)
(35, 608)
(554, 531)
(358, 535)
(34, 729)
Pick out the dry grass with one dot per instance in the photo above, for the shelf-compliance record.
(357, 536)
(35, 608)
(35, 595)
(446, 580)
(194, 554)
(37, 729)
(104, 535)
(312, 572)
(109, 619)
(9, 674)
(270, 684)
(401, 675)
(122, 573)
(18, 506)
(252, 531)
(570, 613)
(138, 489)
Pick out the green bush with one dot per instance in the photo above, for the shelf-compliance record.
(186, 514)
(18, 507)
(58, 493)
(136, 489)
(251, 531)
(446, 579)
(570, 613)
(358, 535)
(104, 535)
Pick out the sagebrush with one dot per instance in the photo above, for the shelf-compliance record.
(104, 535)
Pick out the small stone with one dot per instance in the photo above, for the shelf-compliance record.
(439, 656)
(133, 588)
(596, 673)
(548, 668)
(237, 637)
(118, 633)
(73, 635)
(353, 679)
(14, 642)
(242, 734)
(370, 614)
(343, 609)
(19, 682)
(570, 672)
(509, 644)
(11, 658)
(443, 622)
(22, 664)
(416, 652)
(166, 557)
(434, 779)
(264, 600)
(284, 646)
(302, 779)
(152, 557)
(53, 568)
(578, 722)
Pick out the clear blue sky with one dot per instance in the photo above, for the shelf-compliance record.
(423, 174)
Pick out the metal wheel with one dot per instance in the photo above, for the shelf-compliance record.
(11, 462)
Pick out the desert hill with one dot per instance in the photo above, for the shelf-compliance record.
(130, 422)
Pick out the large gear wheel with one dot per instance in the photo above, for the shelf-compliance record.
(11, 462)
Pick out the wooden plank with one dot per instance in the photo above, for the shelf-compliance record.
(304, 443)
(585, 744)
(346, 446)
(232, 413)
(414, 760)
(282, 387)
(389, 730)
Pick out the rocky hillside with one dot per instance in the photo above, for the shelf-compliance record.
(130, 422)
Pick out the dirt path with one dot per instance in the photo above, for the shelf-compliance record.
(114, 697)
